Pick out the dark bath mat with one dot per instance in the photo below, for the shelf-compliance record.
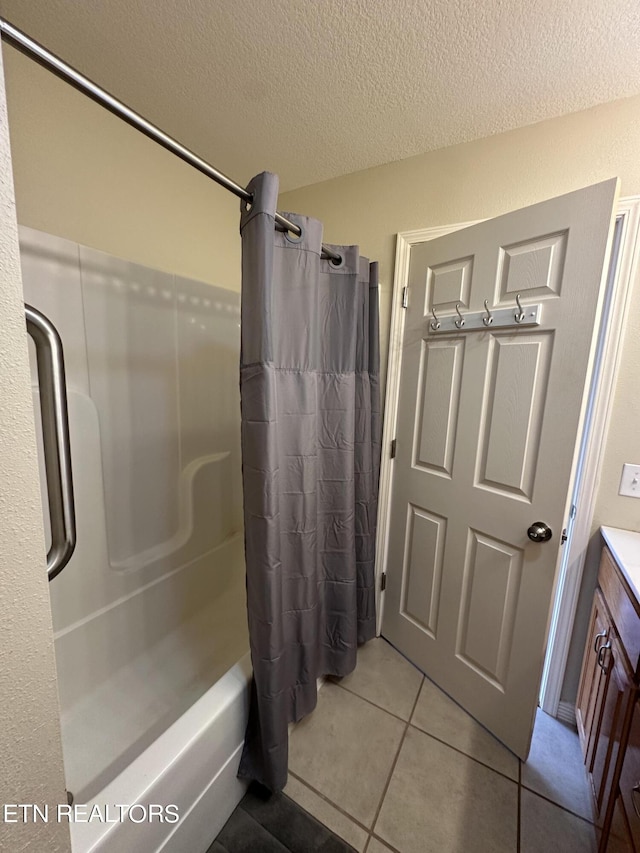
(264, 823)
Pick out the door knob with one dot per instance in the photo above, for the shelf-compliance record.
(539, 532)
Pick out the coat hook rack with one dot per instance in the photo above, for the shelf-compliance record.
(480, 321)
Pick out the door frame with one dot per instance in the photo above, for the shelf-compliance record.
(571, 560)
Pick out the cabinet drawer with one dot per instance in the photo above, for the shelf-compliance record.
(630, 778)
(622, 606)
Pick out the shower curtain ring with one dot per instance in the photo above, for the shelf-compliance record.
(460, 321)
(435, 323)
(488, 320)
(519, 315)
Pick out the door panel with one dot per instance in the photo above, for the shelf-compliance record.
(487, 426)
(533, 267)
(490, 586)
(440, 371)
(509, 438)
(423, 568)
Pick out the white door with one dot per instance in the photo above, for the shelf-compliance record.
(487, 427)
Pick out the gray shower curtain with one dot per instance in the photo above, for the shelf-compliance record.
(310, 462)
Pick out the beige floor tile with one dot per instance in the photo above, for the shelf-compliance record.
(545, 827)
(438, 715)
(439, 800)
(326, 814)
(345, 750)
(385, 678)
(376, 846)
(555, 767)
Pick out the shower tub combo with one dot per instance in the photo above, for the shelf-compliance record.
(149, 615)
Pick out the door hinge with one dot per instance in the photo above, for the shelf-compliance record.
(383, 581)
(405, 297)
(393, 449)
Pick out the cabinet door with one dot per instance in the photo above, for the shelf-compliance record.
(610, 717)
(620, 839)
(630, 778)
(592, 675)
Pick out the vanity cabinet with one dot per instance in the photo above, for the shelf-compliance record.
(608, 711)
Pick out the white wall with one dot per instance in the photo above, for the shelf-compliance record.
(31, 768)
(83, 174)
(481, 179)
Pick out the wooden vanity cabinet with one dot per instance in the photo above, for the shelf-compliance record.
(608, 722)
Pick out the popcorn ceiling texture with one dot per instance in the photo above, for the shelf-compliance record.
(319, 89)
(31, 768)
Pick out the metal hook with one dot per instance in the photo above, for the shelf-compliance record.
(488, 320)
(435, 323)
(460, 322)
(519, 315)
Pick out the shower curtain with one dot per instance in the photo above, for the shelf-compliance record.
(309, 383)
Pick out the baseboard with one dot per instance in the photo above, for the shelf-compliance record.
(567, 714)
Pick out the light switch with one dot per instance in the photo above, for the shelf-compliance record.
(630, 480)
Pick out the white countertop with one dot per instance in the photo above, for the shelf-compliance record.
(625, 549)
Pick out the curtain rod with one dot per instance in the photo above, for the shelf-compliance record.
(34, 50)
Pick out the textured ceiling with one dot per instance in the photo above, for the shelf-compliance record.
(313, 89)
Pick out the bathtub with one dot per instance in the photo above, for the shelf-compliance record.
(193, 765)
(149, 615)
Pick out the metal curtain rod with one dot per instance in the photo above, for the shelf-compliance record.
(36, 51)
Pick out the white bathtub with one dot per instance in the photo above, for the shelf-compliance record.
(150, 614)
(193, 765)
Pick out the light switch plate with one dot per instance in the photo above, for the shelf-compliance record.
(630, 480)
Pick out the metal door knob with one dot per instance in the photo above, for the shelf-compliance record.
(539, 532)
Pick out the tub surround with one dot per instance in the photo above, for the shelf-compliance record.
(149, 616)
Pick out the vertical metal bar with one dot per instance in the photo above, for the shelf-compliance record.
(55, 433)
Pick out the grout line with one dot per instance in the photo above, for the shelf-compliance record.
(559, 805)
(330, 802)
(370, 702)
(367, 829)
(466, 754)
(386, 843)
(519, 820)
(430, 734)
(395, 760)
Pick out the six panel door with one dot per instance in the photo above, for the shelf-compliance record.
(486, 433)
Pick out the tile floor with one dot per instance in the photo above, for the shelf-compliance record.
(390, 763)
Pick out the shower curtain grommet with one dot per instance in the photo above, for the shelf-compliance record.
(295, 238)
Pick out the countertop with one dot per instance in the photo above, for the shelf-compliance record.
(625, 550)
